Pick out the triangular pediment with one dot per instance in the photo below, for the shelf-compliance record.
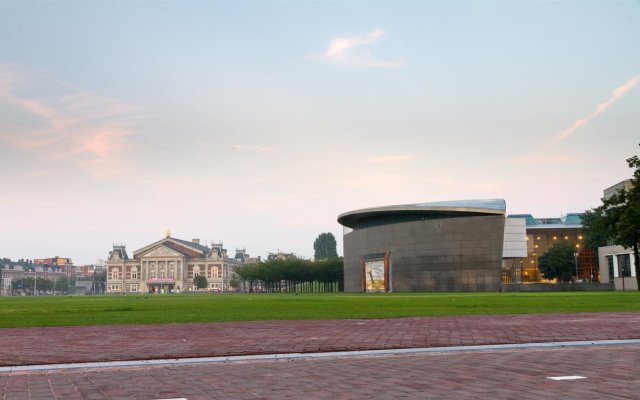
(161, 251)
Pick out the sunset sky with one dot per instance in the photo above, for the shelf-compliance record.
(257, 123)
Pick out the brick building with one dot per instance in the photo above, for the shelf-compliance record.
(168, 265)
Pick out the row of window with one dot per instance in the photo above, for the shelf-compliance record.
(214, 272)
(118, 288)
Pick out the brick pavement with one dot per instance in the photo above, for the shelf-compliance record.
(611, 373)
(25, 346)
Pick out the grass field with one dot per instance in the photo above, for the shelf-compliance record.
(152, 309)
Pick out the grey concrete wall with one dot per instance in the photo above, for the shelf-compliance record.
(454, 254)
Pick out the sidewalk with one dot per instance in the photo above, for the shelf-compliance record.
(27, 346)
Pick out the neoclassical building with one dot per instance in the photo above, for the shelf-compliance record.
(168, 265)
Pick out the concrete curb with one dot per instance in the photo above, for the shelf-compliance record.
(299, 356)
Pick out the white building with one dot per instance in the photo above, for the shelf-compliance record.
(617, 266)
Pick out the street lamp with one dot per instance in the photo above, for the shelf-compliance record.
(575, 257)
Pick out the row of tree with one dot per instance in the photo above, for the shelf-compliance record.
(291, 276)
(30, 285)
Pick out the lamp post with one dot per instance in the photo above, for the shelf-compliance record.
(575, 257)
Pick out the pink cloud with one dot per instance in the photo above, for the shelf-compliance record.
(339, 46)
(615, 95)
(79, 127)
(345, 51)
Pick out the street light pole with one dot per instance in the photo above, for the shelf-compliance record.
(575, 257)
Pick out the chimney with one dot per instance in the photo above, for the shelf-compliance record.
(196, 241)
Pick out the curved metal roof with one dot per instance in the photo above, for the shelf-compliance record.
(437, 209)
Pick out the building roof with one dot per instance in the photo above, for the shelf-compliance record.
(569, 221)
(193, 245)
(421, 211)
(204, 250)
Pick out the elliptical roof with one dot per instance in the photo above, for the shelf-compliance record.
(432, 210)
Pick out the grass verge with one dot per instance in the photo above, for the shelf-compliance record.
(181, 308)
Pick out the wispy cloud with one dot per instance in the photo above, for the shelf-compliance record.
(391, 158)
(545, 158)
(264, 149)
(348, 51)
(615, 95)
(77, 126)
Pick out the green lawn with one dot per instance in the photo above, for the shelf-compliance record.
(152, 309)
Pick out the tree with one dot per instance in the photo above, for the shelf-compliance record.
(617, 220)
(325, 246)
(62, 284)
(200, 281)
(558, 262)
(233, 282)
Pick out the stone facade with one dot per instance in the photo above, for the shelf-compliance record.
(168, 265)
(451, 254)
(439, 246)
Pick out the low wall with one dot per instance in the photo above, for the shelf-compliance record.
(555, 287)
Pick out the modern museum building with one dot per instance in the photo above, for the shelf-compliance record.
(438, 246)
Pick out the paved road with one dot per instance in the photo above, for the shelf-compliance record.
(27, 346)
(611, 373)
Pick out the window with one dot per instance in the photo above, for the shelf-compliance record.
(215, 272)
(115, 273)
(135, 288)
(610, 264)
(624, 265)
(196, 271)
(134, 273)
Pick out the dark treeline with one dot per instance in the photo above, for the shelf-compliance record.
(292, 276)
(30, 285)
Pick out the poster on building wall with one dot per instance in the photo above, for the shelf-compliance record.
(374, 275)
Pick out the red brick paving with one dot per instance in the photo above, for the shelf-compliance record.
(25, 346)
(612, 373)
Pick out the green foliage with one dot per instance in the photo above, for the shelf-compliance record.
(62, 284)
(297, 275)
(558, 262)
(325, 246)
(200, 282)
(618, 218)
(596, 232)
(184, 308)
(29, 285)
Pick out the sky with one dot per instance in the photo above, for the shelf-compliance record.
(258, 123)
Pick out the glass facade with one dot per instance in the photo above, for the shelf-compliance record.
(542, 234)
(624, 265)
